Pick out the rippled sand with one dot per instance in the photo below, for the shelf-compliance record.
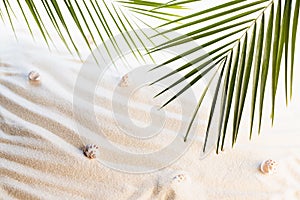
(40, 147)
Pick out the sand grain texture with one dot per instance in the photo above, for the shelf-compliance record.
(41, 157)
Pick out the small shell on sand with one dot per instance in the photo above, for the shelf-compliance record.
(269, 167)
(91, 151)
(34, 76)
(180, 178)
(124, 81)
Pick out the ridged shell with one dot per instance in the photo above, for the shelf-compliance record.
(34, 76)
(269, 166)
(124, 81)
(91, 151)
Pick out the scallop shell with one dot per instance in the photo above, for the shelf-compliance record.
(124, 81)
(269, 166)
(91, 151)
(34, 76)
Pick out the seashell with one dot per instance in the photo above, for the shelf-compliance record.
(34, 76)
(91, 151)
(269, 166)
(180, 178)
(124, 81)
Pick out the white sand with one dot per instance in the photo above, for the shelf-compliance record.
(40, 156)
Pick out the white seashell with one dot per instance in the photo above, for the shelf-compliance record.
(180, 178)
(124, 81)
(269, 166)
(34, 76)
(91, 151)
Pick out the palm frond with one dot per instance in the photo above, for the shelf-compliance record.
(293, 43)
(6, 5)
(223, 100)
(265, 64)
(198, 14)
(212, 110)
(99, 13)
(151, 4)
(257, 38)
(214, 16)
(243, 38)
(256, 71)
(1, 16)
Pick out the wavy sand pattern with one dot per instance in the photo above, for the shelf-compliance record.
(41, 157)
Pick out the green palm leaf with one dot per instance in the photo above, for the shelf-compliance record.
(244, 33)
(220, 14)
(224, 98)
(237, 76)
(241, 69)
(214, 104)
(256, 71)
(96, 13)
(229, 96)
(265, 64)
(293, 43)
